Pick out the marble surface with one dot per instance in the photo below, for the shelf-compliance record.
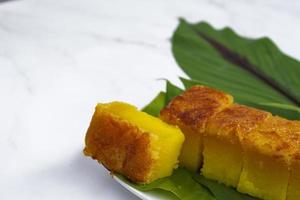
(58, 58)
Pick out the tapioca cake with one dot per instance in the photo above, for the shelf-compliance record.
(190, 111)
(223, 153)
(293, 192)
(125, 140)
(243, 147)
(268, 158)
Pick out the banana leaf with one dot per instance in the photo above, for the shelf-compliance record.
(252, 70)
(154, 107)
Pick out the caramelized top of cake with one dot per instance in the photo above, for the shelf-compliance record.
(212, 112)
(277, 137)
(193, 107)
(235, 121)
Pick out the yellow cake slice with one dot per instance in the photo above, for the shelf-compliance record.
(223, 153)
(190, 111)
(267, 161)
(133, 143)
(293, 192)
(242, 147)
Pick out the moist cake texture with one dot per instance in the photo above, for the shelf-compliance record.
(133, 143)
(223, 153)
(190, 111)
(240, 146)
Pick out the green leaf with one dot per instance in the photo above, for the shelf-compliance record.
(187, 186)
(287, 111)
(171, 91)
(222, 192)
(154, 107)
(251, 70)
(181, 184)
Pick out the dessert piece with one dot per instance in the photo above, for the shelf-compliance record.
(242, 147)
(141, 147)
(223, 153)
(268, 156)
(190, 111)
(293, 192)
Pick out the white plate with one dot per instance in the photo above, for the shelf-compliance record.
(153, 195)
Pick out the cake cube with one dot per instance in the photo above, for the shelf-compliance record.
(293, 192)
(130, 142)
(190, 111)
(223, 153)
(267, 159)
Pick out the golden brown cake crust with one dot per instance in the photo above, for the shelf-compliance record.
(138, 161)
(235, 121)
(119, 146)
(202, 108)
(195, 106)
(277, 137)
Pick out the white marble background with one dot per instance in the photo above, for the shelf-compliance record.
(58, 58)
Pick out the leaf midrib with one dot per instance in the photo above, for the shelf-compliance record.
(242, 62)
